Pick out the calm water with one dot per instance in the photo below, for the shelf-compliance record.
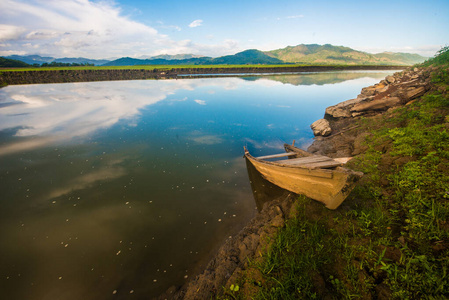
(121, 189)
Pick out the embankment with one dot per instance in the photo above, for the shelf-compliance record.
(75, 75)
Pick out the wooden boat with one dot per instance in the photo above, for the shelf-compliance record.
(318, 177)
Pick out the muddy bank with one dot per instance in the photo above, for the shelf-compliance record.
(61, 76)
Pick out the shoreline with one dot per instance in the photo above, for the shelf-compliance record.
(232, 260)
(18, 77)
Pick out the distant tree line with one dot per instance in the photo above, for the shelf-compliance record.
(60, 64)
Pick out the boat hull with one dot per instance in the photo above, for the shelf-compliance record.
(330, 187)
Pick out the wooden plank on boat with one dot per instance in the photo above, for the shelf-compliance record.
(277, 155)
(323, 164)
(292, 148)
(304, 160)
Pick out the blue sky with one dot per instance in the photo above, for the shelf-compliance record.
(139, 28)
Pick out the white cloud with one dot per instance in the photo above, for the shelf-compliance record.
(224, 47)
(10, 32)
(290, 17)
(51, 113)
(196, 23)
(74, 28)
(93, 29)
(200, 102)
(171, 27)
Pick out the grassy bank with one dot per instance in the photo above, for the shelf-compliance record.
(390, 239)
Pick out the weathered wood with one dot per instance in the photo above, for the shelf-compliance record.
(322, 164)
(310, 175)
(276, 155)
(298, 151)
(304, 160)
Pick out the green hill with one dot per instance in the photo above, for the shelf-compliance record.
(12, 63)
(246, 57)
(251, 56)
(330, 55)
(128, 61)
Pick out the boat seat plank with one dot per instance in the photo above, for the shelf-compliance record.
(277, 155)
(322, 165)
(304, 160)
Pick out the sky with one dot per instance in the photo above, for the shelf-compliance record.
(106, 29)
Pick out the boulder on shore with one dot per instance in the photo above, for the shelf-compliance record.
(394, 90)
(321, 127)
(381, 104)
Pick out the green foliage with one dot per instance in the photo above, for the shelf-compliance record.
(60, 64)
(234, 288)
(441, 58)
(12, 63)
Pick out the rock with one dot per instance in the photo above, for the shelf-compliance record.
(390, 79)
(321, 127)
(278, 222)
(380, 88)
(356, 114)
(381, 104)
(321, 148)
(415, 93)
(342, 110)
(368, 91)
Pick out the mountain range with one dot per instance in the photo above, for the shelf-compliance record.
(37, 59)
(329, 54)
(311, 54)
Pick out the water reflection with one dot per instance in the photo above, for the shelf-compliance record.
(263, 190)
(321, 78)
(113, 187)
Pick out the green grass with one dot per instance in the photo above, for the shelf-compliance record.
(296, 255)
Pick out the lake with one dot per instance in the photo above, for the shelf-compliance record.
(122, 189)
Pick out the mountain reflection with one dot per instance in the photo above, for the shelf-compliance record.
(322, 78)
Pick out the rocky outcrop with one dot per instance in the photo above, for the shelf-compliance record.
(321, 127)
(393, 91)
